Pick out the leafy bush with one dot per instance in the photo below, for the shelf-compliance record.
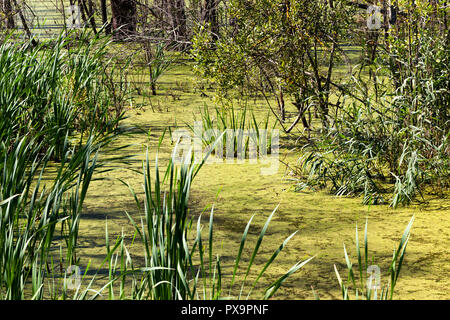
(392, 138)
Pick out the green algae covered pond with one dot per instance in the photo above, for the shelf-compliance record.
(239, 191)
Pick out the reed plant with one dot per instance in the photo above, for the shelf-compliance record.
(157, 62)
(57, 89)
(365, 281)
(32, 211)
(54, 105)
(239, 130)
(389, 138)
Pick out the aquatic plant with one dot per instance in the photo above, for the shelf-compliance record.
(366, 280)
(174, 267)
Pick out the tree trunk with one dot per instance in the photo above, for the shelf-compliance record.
(123, 18)
(104, 13)
(172, 20)
(210, 17)
(92, 10)
(7, 10)
(24, 24)
(177, 16)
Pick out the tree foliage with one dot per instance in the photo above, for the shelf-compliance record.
(384, 125)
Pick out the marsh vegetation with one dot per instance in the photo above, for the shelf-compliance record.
(96, 204)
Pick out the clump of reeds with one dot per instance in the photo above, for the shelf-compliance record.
(176, 268)
(366, 280)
